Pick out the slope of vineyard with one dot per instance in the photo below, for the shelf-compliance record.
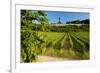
(71, 44)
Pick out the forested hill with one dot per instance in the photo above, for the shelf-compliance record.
(86, 21)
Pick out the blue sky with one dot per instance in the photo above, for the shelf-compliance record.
(66, 16)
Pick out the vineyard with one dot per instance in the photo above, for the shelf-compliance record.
(73, 45)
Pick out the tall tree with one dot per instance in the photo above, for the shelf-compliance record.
(59, 21)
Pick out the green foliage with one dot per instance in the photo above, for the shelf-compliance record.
(31, 44)
(40, 17)
(28, 17)
(31, 41)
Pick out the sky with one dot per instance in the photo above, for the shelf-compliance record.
(53, 16)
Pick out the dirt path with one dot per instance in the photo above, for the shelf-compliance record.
(49, 58)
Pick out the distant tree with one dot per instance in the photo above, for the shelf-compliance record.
(59, 21)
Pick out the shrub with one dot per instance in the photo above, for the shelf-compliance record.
(31, 44)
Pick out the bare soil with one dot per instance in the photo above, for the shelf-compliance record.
(50, 58)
